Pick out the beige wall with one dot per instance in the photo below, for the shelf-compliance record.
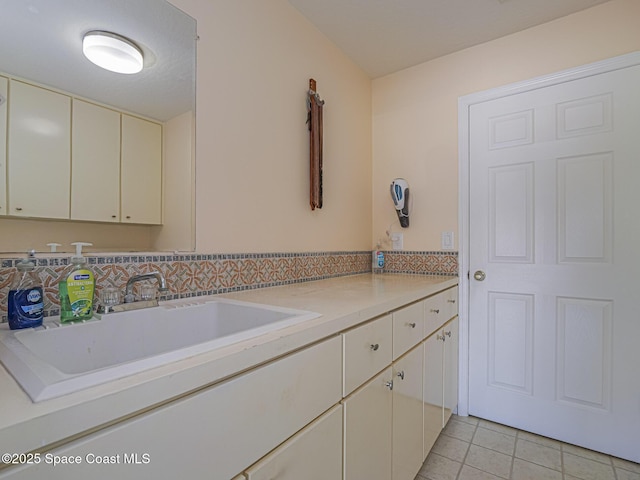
(415, 111)
(255, 59)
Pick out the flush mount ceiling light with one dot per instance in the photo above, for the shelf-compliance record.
(112, 52)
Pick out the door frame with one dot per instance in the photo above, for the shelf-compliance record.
(464, 105)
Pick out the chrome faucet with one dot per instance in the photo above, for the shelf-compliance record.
(162, 284)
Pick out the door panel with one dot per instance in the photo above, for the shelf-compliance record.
(553, 192)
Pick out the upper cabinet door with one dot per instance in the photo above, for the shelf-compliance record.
(141, 171)
(39, 152)
(95, 162)
(4, 84)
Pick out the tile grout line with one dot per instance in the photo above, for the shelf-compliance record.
(615, 472)
(513, 456)
(464, 460)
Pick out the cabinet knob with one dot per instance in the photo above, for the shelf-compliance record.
(113, 216)
(19, 209)
(375, 346)
(435, 310)
(412, 324)
(448, 334)
(400, 374)
(451, 301)
(128, 216)
(389, 384)
(440, 337)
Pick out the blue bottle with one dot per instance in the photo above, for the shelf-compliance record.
(26, 301)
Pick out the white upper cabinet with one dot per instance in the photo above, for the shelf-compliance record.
(66, 158)
(4, 84)
(39, 152)
(141, 183)
(95, 163)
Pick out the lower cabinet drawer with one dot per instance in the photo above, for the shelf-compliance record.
(367, 350)
(213, 434)
(408, 328)
(315, 453)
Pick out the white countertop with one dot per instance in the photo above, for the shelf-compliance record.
(343, 302)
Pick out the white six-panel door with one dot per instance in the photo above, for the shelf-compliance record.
(554, 326)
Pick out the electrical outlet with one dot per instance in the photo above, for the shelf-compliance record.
(397, 240)
(447, 241)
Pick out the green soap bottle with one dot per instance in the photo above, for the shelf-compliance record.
(76, 288)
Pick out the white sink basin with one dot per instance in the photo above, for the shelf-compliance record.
(55, 359)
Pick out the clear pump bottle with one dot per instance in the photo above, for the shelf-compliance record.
(76, 289)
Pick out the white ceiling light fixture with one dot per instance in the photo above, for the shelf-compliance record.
(112, 52)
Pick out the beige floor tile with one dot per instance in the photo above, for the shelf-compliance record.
(494, 440)
(536, 453)
(626, 474)
(450, 447)
(489, 461)
(460, 430)
(523, 470)
(438, 467)
(585, 453)
(626, 465)
(497, 427)
(585, 468)
(532, 437)
(470, 473)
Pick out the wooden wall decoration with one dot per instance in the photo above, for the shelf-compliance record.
(314, 120)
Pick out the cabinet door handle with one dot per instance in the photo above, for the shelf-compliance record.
(19, 209)
(389, 384)
(375, 346)
(448, 334)
(435, 310)
(440, 337)
(400, 374)
(451, 301)
(412, 324)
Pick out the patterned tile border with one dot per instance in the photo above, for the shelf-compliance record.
(193, 275)
(419, 262)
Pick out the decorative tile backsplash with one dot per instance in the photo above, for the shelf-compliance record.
(206, 274)
(426, 263)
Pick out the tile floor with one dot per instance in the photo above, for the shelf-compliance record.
(473, 449)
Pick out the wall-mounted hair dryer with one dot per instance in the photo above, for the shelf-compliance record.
(400, 196)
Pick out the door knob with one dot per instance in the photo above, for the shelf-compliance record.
(479, 275)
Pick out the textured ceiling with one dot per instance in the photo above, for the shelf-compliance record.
(384, 36)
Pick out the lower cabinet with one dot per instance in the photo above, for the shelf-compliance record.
(433, 389)
(213, 434)
(315, 453)
(338, 410)
(368, 430)
(393, 420)
(407, 448)
(451, 351)
(440, 380)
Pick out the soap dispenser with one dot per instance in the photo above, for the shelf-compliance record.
(76, 288)
(26, 302)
